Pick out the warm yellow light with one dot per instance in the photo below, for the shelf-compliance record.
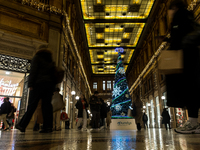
(113, 29)
(100, 56)
(126, 35)
(113, 40)
(112, 8)
(136, 1)
(107, 59)
(100, 69)
(99, 35)
(98, 1)
(122, 56)
(111, 52)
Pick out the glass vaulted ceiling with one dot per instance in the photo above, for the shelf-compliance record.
(110, 24)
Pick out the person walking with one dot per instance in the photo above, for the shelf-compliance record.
(184, 36)
(11, 115)
(138, 117)
(56, 115)
(5, 110)
(95, 106)
(82, 105)
(145, 120)
(166, 118)
(108, 118)
(41, 83)
(103, 113)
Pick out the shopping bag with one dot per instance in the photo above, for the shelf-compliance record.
(57, 102)
(171, 62)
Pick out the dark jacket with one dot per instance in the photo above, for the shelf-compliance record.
(166, 117)
(11, 115)
(79, 106)
(42, 70)
(103, 110)
(5, 108)
(183, 24)
(144, 118)
(95, 103)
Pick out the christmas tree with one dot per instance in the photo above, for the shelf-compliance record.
(121, 100)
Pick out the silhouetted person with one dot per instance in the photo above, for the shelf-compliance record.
(138, 118)
(103, 113)
(183, 89)
(145, 120)
(108, 118)
(95, 106)
(5, 110)
(41, 83)
(166, 118)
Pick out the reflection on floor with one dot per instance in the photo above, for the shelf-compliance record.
(151, 139)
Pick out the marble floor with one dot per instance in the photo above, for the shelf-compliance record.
(151, 139)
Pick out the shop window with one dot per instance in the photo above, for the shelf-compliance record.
(95, 85)
(108, 85)
(104, 85)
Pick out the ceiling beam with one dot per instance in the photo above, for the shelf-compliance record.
(124, 47)
(115, 21)
(108, 64)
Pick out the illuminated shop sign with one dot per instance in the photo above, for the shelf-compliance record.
(7, 88)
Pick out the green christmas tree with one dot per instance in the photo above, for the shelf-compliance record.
(121, 100)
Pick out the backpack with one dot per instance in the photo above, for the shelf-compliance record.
(145, 118)
(59, 75)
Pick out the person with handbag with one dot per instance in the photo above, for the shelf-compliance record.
(41, 83)
(183, 88)
(82, 105)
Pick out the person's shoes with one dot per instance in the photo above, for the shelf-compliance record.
(188, 128)
(46, 131)
(84, 129)
(21, 129)
(7, 129)
(102, 127)
(59, 129)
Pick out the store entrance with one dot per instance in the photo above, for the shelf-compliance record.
(14, 86)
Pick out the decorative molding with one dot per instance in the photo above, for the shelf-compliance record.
(14, 64)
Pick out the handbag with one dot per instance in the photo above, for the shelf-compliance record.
(57, 102)
(171, 62)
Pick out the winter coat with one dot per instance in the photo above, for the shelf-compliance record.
(178, 93)
(144, 118)
(11, 115)
(95, 103)
(138, 105)
(5, 108)
(79, 106)
(103, 110)
(108, 118)
(42, 70)
(166, 117)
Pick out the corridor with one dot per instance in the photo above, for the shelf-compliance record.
(152, 139)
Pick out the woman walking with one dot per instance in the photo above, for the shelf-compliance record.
(82, 105)
(166, 118)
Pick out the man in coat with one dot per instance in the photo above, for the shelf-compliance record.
(5, 110)
(95, 106)
(41, 84)
(145, 120)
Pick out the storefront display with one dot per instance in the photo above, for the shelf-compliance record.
(180, 117)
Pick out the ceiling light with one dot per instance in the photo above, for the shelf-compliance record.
(106, 43)
(107, 26)
(107, 14)
(118, 43)
(89, 7)
(124, 14)
(7, 72)
(122, 26)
